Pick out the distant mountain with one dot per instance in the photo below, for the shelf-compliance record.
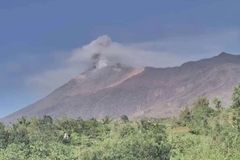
(115, 90)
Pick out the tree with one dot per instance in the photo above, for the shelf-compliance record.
(47, 120)
(124, 118)
(106, 120)
(19, 132)
(185, 116)
(217, 104)
(236, 97)
(236, 106)
(3, 136)
(200, 113)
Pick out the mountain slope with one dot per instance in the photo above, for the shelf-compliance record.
(139, 92)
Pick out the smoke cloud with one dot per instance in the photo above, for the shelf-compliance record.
(98, 54)
(103, 52)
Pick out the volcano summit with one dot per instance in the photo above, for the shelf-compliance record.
(115, 89)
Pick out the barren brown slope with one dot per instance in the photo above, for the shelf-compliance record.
(151, 92)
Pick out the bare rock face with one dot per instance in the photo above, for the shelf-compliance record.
(115, 90)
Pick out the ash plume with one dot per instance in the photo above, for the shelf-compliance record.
(99, 61)
(98, 54)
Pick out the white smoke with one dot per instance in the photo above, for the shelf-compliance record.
(99, 54)
(103, 52)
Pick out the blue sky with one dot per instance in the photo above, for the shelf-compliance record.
(36, 37)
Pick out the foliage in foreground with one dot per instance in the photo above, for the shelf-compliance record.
(83, 140)
(207, 131)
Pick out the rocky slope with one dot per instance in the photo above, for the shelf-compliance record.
(116, 90)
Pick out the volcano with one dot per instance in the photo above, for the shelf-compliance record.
(114, 90)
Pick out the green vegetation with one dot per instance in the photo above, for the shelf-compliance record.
(204, 131)
(84, 140)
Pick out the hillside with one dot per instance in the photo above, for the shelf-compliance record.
(115, 90)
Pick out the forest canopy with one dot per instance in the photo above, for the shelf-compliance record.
(204, 131)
